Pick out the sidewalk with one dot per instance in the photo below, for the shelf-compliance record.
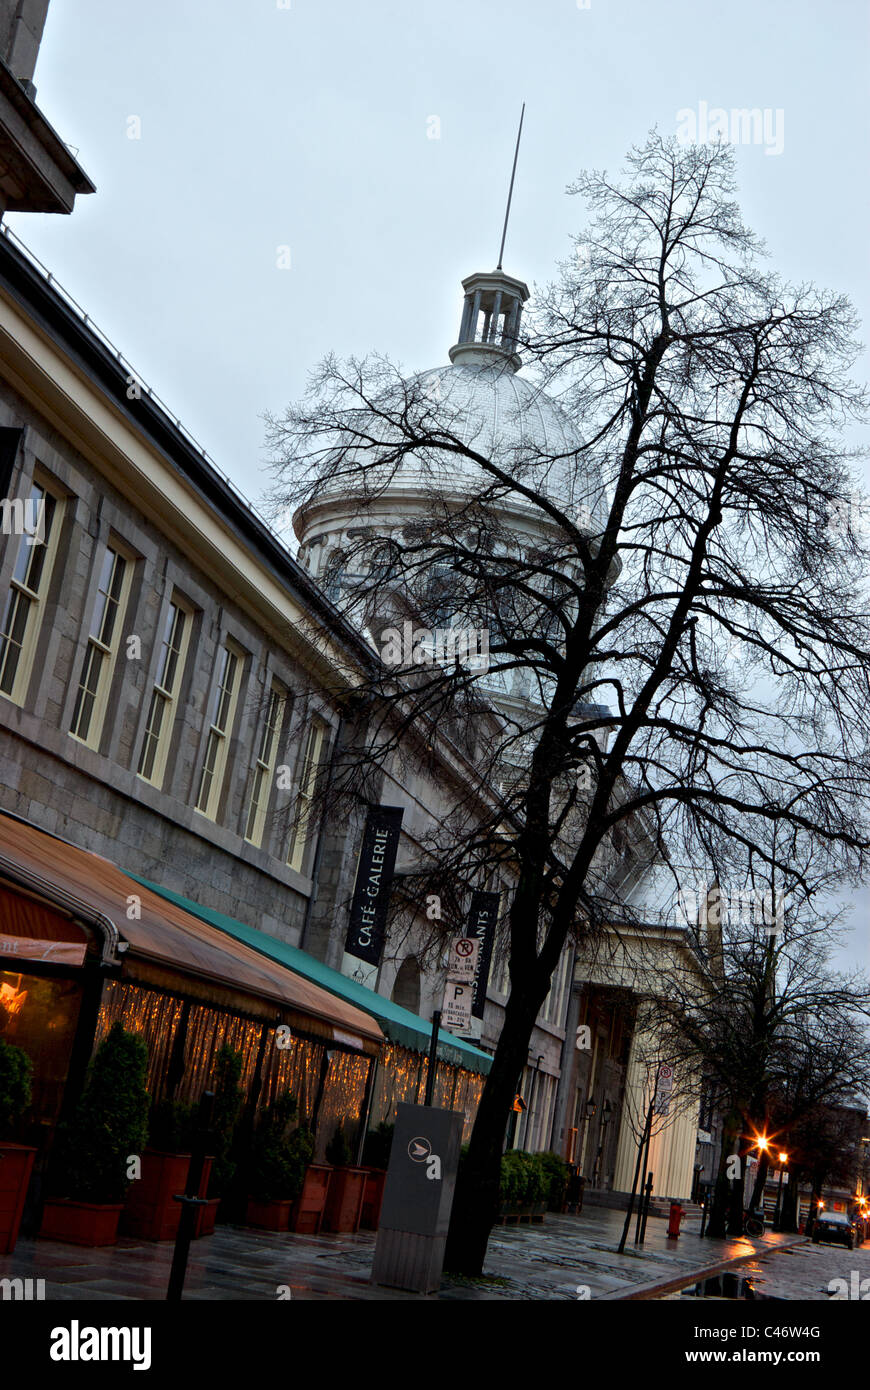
(568, 1257)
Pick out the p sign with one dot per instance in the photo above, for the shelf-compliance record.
(456, 1009)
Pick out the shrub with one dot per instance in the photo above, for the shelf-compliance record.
(338, 1149)
(228, 1097)
(277, 1165)
(522, 1180)
(171, 1126)
(110, 1123)
(301, 1143)
(16, 1070)
(556, 1173)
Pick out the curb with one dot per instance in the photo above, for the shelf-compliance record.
(661, 1286)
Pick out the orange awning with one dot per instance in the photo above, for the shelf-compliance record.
(168, 941)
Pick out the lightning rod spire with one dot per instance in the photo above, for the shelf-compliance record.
(507, 211)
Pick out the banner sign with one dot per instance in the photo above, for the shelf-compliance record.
(371, 894)
(481, 927)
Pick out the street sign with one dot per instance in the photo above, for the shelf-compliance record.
(665, 1080)
(456, 1009)
(462, 960)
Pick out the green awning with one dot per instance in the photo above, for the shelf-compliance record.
(399, 1025)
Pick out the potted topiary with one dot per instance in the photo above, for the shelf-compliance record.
(511, 1187)
(346, 1188)
(228, 1097)
(151, 1211)
(277, 1171)
(556, 1175)
(376, 1159)
(16, 1160)
(110, 1123)
(306, 1216)
(539, 1190)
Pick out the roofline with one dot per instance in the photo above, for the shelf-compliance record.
(34, 291)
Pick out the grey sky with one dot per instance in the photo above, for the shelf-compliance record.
(308, 127)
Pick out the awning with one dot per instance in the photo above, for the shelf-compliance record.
(400, 1025)
(162, 939)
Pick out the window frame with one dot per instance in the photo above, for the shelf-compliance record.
(263, 769)
(217, 775)
(35, 598)
(168, 695)
(301, 839)
(108, 651)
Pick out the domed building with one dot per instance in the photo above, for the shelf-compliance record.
(480, 400)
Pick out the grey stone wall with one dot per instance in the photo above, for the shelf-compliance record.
(92, 796)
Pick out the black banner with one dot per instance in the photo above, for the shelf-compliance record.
(374, 875)
(481, 927)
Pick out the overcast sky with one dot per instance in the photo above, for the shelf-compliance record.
(307, 125)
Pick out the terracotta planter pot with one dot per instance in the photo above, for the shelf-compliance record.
(16, 1165)
(151, 1211)
(307, 1214)
(374, 1197)
(344, 1200)
(269, 1216)
(81, 1223)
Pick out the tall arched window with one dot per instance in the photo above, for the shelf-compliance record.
(406, 990)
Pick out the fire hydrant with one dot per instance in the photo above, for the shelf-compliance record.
(675, 1219)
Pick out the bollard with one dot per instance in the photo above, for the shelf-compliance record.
(675, 1219)
(190, 1200)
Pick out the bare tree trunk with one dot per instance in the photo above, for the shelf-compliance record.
(475, 1205)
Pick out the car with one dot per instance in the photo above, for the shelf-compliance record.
(836, 1228)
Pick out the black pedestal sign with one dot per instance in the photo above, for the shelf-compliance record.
(418, 1196)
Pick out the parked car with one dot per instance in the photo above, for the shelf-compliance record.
(836, 1228)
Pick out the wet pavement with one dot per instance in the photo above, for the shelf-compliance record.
(567, 1257)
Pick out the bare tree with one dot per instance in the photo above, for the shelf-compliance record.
(677, 632)
(777, 1034)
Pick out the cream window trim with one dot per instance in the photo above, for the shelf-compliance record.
(263, 771)
(20, 593)
(300, 837)
(164, 694)
(101, 650)
(223, 702)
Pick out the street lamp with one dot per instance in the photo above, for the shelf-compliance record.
(783, 1160)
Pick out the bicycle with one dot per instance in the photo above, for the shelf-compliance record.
(753, 1223)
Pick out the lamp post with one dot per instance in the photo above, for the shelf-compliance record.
(783, 1160)
(590, 1109)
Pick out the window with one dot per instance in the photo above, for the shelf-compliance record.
(170, 667)
(307, 783)
(223, 709)
(264, 767)
(23, 610)
(112, 591)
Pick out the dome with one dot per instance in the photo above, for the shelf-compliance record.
(479, 399)
(507, 418)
